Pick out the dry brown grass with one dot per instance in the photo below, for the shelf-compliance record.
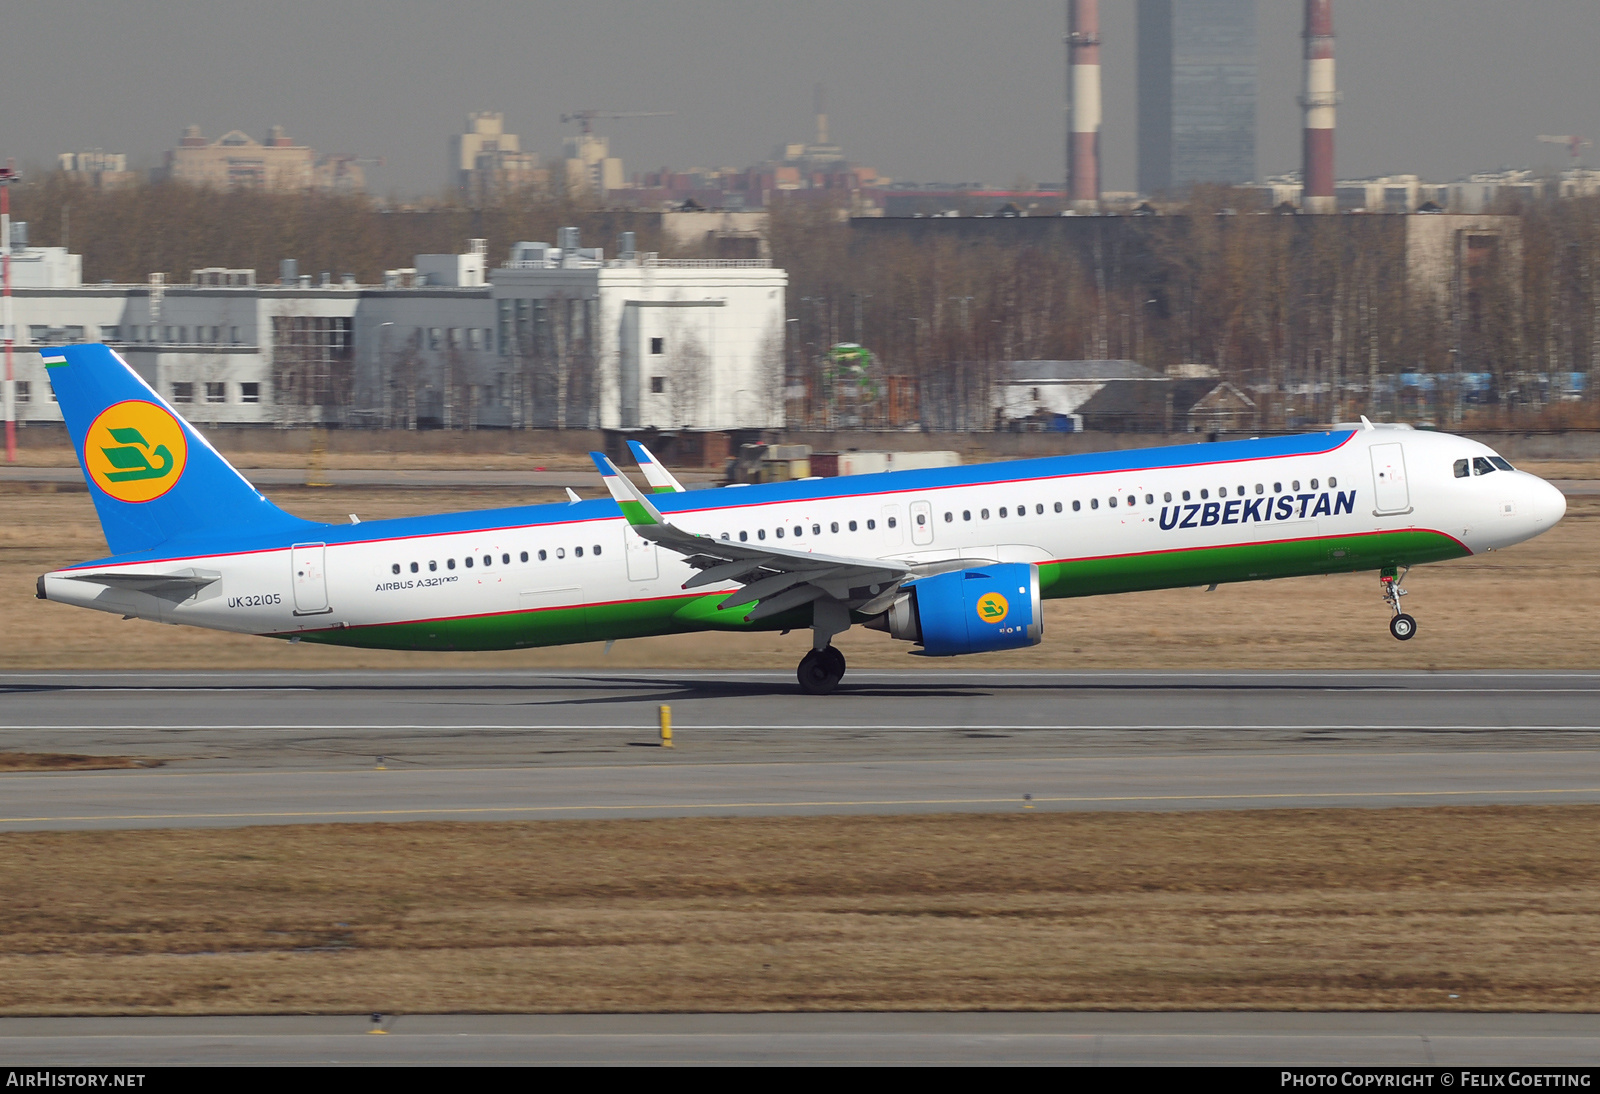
(63, 761)
(1531, 606)
(1389, 909)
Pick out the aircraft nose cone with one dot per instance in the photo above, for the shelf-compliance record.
(1549, 504)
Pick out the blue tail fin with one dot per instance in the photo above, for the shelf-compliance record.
(153, 477)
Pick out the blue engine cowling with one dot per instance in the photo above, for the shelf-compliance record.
(975, 610)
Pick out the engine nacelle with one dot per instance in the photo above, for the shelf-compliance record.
(977, 610)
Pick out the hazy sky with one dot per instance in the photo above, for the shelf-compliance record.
(920, 89)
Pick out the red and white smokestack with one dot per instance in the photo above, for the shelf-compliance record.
(1083, 91)
(1319, 102)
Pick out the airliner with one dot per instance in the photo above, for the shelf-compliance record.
(950, 561)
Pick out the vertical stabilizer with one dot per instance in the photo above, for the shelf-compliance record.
(154, 479)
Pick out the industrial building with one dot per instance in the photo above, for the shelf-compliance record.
(1197, 75)
(558, 336)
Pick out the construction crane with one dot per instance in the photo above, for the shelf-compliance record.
(585, 118)
(1575, 145)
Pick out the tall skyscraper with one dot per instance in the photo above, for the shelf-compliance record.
(1197, 93)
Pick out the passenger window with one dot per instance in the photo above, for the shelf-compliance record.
(871, 524)
(432, 566)
(506, 559)
(561, 552)
(799, 531)
(1313, 484)
(1260, 489)
(922, 520)
(1002, 512)
(1502, 464)
(395, 568)
(834, 527)
(1295, 485)
(1186, 495)
(1167, 497)
(1149, 499)
(1277, 488)
(524, 556)
(1133, 499)
(597, 550)
(778, 532)
(488, 560)
(1058, 507)
(816, 529)
(1204, 494)
(1241, 491)
(1094, 503)
(966, 514)
(468, 561)
(1333, 483)
(1076, 506)
(761, 533)
(543, 556)
(852, 526)
(744, 537)
(983, 513)
(413, 567)
(1038, 510)
(577, 552)
(1481, 466)
(948, 517)
(1222, 492)
(893, 522)
(1111, 502)
(449, 564)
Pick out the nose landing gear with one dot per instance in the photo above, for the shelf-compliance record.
(820, 671)
(1402, 626)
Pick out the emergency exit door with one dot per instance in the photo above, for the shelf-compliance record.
(310, 579)
(1389, 478)
(921, 523)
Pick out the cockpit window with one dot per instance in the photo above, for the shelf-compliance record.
(1463, 468)
(1502, 464)
(1481, 466)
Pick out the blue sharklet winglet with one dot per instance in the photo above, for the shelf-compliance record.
(660, 479)
(636, 508)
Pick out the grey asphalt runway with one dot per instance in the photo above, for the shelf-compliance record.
(269, 748)
(1540, 1041)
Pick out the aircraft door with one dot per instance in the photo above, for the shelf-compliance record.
(310, 579)
(641, 555)
(921, 523)
(1389, 478)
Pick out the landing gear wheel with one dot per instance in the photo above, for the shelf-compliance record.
(820, 671)
(1403, 626)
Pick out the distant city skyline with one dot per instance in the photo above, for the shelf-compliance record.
(925, 90)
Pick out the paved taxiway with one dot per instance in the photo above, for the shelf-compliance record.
(1543, 1041)
(238, 749)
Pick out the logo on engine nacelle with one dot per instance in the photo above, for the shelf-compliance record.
(992, 607)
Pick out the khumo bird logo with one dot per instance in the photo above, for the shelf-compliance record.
(992, 607)
(135, 451)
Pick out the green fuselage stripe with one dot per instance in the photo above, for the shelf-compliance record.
(1078, 577)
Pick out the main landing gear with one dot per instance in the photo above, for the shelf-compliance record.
(820, 671)
(1402, 626)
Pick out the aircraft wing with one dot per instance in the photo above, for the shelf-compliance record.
(660, 479)
(772, 579)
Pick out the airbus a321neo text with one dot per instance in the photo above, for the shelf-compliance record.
(951, 561)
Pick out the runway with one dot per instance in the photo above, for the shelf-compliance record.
(1082, 1039)
(273, 748)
